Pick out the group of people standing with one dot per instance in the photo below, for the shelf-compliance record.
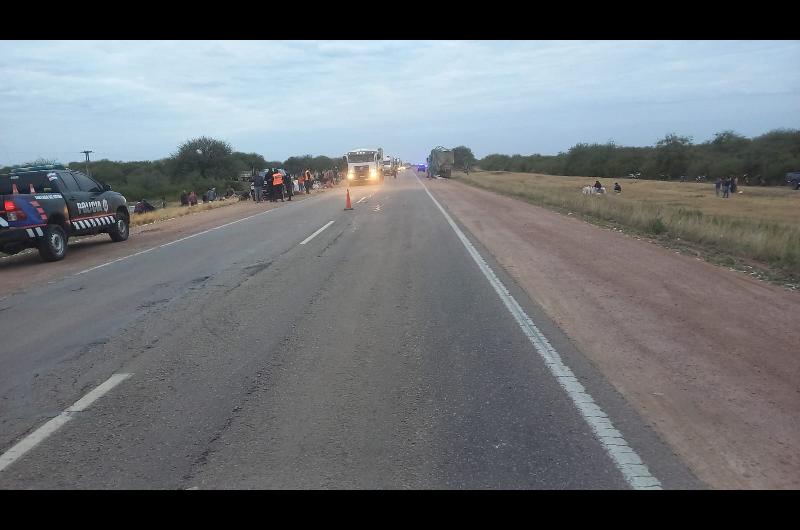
(728, 185)
(275, 184)
(272, 184)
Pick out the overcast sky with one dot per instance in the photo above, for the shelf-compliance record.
(139, 100)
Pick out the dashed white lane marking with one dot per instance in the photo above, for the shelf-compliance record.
(312, 236)
(362, 199)
(173, 242)
(625, 458)
(37, 436)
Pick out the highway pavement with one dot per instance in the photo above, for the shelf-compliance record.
(307, 347)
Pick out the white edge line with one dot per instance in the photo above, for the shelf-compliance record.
(40, 434)
(312, 236)
(624, 457)
(173, 242)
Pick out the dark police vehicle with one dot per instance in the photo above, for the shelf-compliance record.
(43, 206)
(793, 179)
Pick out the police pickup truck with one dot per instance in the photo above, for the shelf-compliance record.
(43, 206)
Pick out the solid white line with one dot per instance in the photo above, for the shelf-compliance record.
(627, 461)
(309, 238)
(33, 439)
(173, 242)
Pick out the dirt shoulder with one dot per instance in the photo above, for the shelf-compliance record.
(708, 356)
(26, 269)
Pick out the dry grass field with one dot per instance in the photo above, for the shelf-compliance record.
(758, 224)
(177, 211)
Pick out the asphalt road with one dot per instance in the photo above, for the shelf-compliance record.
(374, 355)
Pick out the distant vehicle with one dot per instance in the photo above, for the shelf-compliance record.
(440, 162)
(793, 178)
(389, 166)
(43, 206)
(421, 168)
(365, 166)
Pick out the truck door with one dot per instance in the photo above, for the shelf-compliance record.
(92, 203)
(71, 192)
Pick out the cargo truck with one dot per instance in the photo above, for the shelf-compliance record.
(365, 166)
(440, 162)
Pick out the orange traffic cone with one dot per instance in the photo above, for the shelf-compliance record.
(348, 206)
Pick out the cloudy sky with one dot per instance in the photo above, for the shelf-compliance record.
(139, 100)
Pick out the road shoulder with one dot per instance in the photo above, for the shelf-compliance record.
(21, 271)
(701, 353)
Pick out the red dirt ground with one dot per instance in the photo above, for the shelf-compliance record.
(708, 356)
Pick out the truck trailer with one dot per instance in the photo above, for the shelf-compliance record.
(441, 162)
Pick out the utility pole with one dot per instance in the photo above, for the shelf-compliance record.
(87, 161)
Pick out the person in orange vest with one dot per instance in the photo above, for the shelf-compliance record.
(301, 181)
(278, 190)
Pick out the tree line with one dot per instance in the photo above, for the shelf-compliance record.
(769, 157)
(198, 164)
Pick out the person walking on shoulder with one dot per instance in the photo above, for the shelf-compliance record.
(258, 186)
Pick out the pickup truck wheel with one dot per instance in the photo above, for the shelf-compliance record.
(53, 245)
(119, 230)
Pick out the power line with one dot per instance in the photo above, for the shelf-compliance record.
(87, 161)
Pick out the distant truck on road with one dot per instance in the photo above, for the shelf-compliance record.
(43, 206)
(441, 162)
(389, 166)
(365, 166)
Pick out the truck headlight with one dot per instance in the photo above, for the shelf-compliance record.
(350, 175)
(373, 173)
